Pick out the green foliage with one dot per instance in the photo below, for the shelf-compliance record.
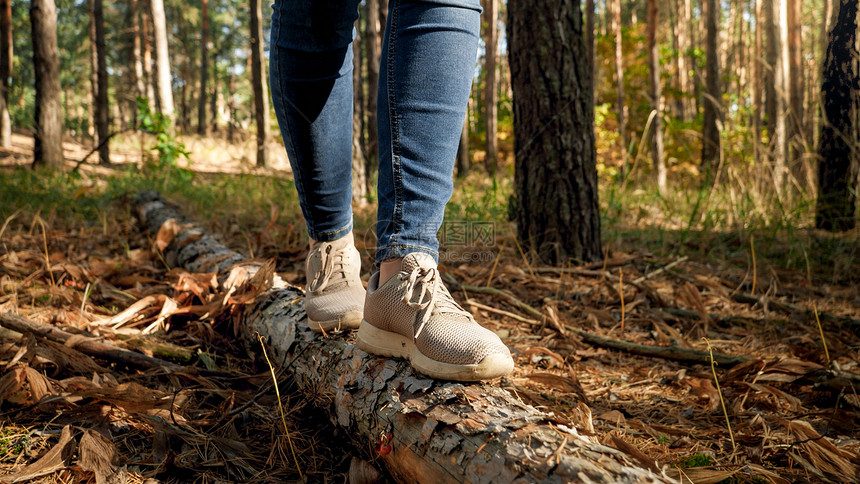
(696, 460)
(169, 149)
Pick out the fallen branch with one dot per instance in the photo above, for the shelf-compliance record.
(789, 308)
(84, 344)
(438, 431)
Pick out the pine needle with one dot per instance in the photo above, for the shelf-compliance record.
(281, 407)
(821, 332)
(752, 251)
(720, 392)
(621, 293)
(493, 270)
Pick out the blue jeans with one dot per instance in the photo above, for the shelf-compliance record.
(427, 63)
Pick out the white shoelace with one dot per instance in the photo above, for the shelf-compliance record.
(327, 260)
(431, 294)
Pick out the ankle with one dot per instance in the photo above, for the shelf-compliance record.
(388, 268)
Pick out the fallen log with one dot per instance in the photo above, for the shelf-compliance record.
(434, 431)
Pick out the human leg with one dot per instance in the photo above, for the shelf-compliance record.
(310, 76)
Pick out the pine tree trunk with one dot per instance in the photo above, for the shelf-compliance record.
(261, 96)
(464, 161)
(202, 126)
(839, 160)
(137, 54)
(779, 138)
(5, 72)
(620, 108)
(553, 132)
(359, 161)
(439, 432)
(162, 61)
(589, 40)
(657, 158)
(94, 74)
(795, 122)
(713, 98)
(491, 87)
(48, 147)
(373, 32)
(147, 55)
(102, 108)
(757, 69)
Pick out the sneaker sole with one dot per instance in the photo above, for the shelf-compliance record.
(385, 343)
(349, 321)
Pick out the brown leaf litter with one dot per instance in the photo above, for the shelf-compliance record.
(212, 415)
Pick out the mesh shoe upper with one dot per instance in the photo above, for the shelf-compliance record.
(334, 285)
(416, 304)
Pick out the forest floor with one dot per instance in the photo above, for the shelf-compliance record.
(73, 256)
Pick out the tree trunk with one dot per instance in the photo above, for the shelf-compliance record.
(94, 74)
(779, 137)
(5, 72)
(359, 161)
(553, 132)
(439, 432)
(464, 161)
(713, 94)
(162, 60)
(202, 127)
(657, 158)
(620, 108)
(48, 147)
(102, 112)
(839, 141)
(136, 52)
(491, 92)
(261, 96)
(757, 68)
(147, 57)
(589, 40)
(373, 32)
(795, 122)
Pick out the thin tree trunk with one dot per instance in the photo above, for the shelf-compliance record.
(491, 88)
(102, 108)
(620, 109)
(359, 163)
(261, 97)
(713, 97)
(5, 72)
(795, 126)
(373, 32)
(697, 33)
(684, 58)
(139, 80)
(151, 99)
(464, 162)
(655, 92)
(555, 159)
(757, 68)
(589, 38)
(202, 126)
(839, 162)
(162, 60)
(48, 146)
(771, 60)
(94, 74)
(779, 141)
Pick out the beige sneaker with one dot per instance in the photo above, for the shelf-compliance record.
(413, 316)
(334, 296)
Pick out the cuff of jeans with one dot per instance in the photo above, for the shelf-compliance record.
(401, 250)
(330, 235)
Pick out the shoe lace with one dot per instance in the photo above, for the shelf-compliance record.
(327, 260)
(431, 294)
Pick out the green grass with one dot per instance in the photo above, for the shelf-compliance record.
(718, 225)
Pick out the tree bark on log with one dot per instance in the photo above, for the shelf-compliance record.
(439, 431)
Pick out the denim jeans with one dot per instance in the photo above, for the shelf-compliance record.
(427, 63)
